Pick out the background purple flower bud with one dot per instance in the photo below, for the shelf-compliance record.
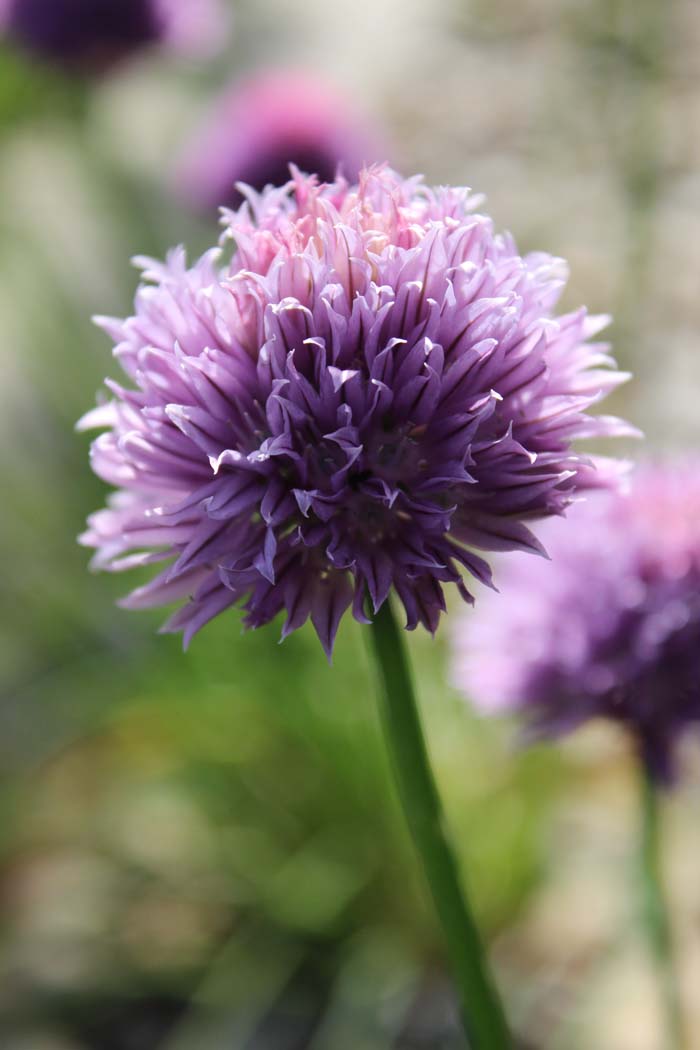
(262, 125)
(610, 627)
(91, 35)
(374, 386)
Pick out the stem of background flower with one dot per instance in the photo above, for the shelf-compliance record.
(656, 916)
(483, 1013)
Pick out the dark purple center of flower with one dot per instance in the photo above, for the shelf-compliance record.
(271, 166)
(87, 33)
(652, 664)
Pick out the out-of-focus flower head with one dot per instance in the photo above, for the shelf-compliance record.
(372, 387)
(265, 123)
(92, 35)
(610, 627)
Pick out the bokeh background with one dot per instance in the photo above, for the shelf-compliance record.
(204, 851)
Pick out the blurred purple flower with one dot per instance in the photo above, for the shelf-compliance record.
(91, 35)
(372, 387)
(610, 627)
(264, 124)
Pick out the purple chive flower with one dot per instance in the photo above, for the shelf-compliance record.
(610, 627)
(264, 124)
(372, 387)
(92, 35)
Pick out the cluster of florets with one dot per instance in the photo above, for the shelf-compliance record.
(374, 386)
(610, 627)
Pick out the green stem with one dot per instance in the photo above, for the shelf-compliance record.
(656, 915)
(484, 1017)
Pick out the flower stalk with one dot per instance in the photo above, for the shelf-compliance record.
(656, 914)
(483, 1014)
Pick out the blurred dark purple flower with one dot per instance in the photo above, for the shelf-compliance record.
(264, 124)
(371, 388)
(610, 627)
(91, 35)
